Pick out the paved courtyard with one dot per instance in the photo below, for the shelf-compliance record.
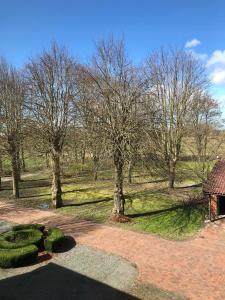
(194, 268)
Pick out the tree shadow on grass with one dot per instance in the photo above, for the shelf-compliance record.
(188, 216)
(55, 282)
(78, 190)
(31, 180)
(156, 212)
(35, 196)
(107, 199)
(188, 186)
(36, 186)
(153, 181)
(31, 185)
(185, 207)
(176, 220)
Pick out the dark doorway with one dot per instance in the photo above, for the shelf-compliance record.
(221, 205)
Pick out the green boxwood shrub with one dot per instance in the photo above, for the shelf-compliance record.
(54, 239)
(28, 226)
(21, 245)
(12, 258)
(21, 238)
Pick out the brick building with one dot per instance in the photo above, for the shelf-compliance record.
(214, 189)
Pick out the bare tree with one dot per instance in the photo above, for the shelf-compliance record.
(51, 93)
(174, 77)
(92, 133)
(115, 98)
(204, 135)
(11, 105)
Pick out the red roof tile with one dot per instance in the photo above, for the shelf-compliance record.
(215, 183)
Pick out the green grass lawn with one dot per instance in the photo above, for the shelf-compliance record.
(149, 203)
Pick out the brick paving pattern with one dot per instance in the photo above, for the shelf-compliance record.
(193, 268)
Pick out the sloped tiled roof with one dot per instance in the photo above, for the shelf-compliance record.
(215, 183)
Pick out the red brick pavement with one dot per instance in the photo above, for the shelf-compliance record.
(193, 268)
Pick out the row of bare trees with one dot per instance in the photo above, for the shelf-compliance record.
(112, 106)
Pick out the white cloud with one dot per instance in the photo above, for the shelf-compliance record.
(201, 56)
(216, 67)
(218, 57)
(218, 76)
(191, 44)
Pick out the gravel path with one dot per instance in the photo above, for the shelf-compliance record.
(98, 265)
(5, 226)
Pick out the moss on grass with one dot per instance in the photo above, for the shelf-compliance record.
(149, 202)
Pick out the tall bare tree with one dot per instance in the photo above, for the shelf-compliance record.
(115, 100)
(204, 135)
(92, 132)
(51, 92)
(174, 77)
(11, 106)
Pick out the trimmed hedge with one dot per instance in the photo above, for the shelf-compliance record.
(21, 238)
(20, 246)
(29, 226)
(12, 258)
(54, 239)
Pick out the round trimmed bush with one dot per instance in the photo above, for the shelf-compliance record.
(12, 258)
(54, 239)
(21, 238)
(21, 245)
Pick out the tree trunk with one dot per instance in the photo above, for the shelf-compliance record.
(130, 168)
(1, 171)
(172, 174)
(95, 167)
(46, 160)
(18, 162)
(56, 181)
(15, 176)
(14, 164)
(23, 164)
(83, 154)
(119, 199)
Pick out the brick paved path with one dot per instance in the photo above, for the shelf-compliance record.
(194, 268)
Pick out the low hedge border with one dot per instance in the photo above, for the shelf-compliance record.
(12, 258)
(54, 239)
(28, 237)
(20, 246)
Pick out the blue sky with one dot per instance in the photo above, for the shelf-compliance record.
(28, 26)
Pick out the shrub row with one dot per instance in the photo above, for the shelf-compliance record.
(20, 246)
(21, 238)
(12, 258)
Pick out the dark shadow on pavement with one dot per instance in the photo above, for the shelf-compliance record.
(71, 226)
(67, 245)
(55, 282)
